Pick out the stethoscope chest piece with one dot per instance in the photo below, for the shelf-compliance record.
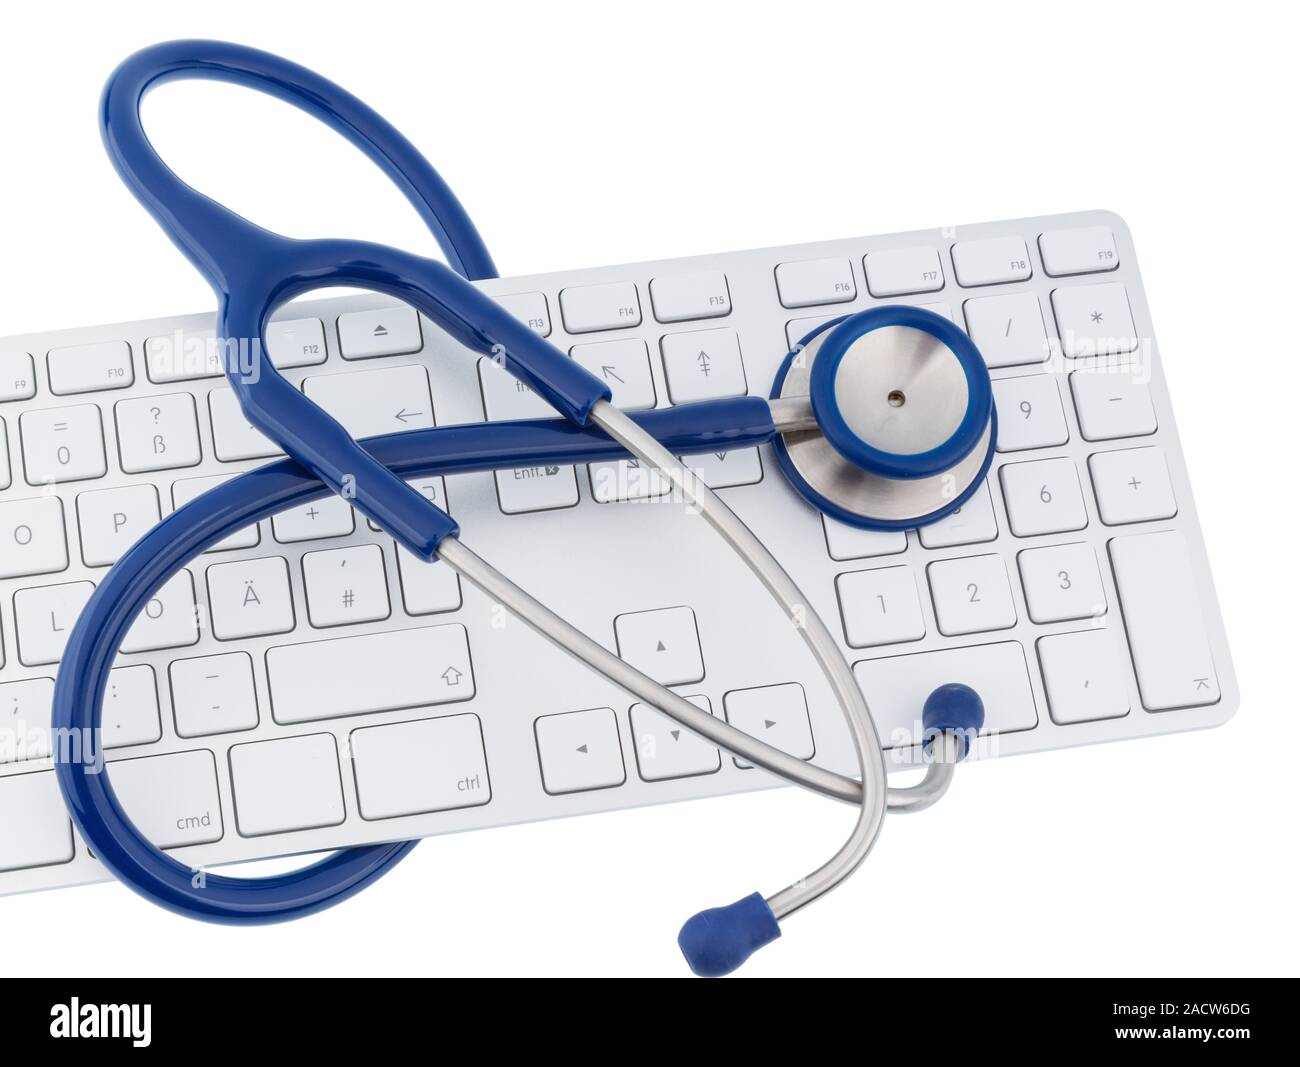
(905, 425)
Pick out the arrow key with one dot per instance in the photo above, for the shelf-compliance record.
(776, 714)
(623, 365)
(664, 644)
(579, 750)
(720, 470)
(666, 750)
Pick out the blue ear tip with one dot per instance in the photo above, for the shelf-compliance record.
(953, 707)
(718, 940)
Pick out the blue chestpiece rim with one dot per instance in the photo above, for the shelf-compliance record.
(964, 439)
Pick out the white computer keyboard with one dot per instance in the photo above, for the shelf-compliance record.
(306, 685)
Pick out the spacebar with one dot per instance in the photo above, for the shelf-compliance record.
(373, 672)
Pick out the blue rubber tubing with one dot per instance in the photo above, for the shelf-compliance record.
(95, 640)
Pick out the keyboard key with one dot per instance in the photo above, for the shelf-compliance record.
(346, 585)
(899, 271)
(370, 402)
(1132, 485)
(506, 397)
(32, 540)
(63, 445)
(5, 477)
(427, 587)
(131, 707)
(530, 309)
(86, 368)
(187, 489)
(213, 694)
(130, 713)
(157, 433)
(288, 784)
(1062, 582)
(896, 688)
(295, 343)
(776, 714)
(169, 618)
(991, 261)
(1029, 413)
(112, 520)
(17, 376)
(624, 365)
(1078, 251)
(1166, 634)
(1008, 330)
(34, 827)
(25, 719)
(526, 489)
(681, 297)
(663, 643)
(1043, 497)
(391, 331)
(372, 672)
(331, 516)
(625, 479)
(587, 308)
(172, 799)
(233, 436)
(852, 542)
(44, 616)
(1112, 405)
(410, 768)
(722, 470)
(797, 329)
(665, 750)
(880, 607)
(704, 365)
(809, 282)
(1085, 675)
(580, 750)
(431, 487)
(971, 595)
(186, 355)
(971, 524)
(1094, 320)
(249, 598)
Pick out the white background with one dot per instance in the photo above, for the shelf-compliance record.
(586, 134)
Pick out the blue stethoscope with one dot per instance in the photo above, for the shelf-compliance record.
(882, 419)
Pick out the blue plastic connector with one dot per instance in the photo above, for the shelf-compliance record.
(718, 940)
(953, 708)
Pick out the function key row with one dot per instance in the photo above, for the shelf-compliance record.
(908, 271)
(616, 306)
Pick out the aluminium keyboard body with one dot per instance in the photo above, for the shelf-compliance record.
(496, 726)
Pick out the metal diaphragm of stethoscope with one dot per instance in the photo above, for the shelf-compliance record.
(882, 419)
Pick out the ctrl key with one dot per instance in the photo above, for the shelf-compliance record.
(34, 826)
(409, 768)
(173, 799)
